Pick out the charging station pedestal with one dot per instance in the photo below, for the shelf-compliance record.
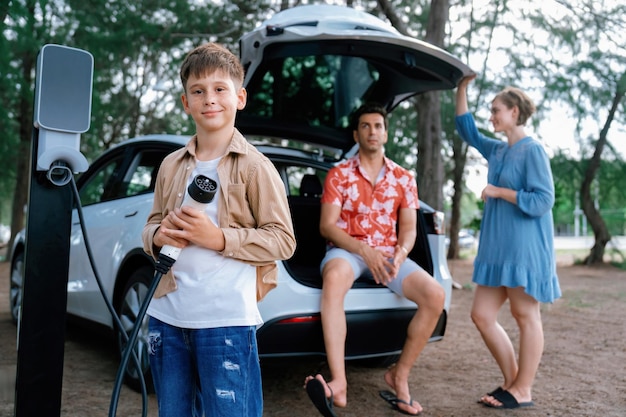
(62, 111)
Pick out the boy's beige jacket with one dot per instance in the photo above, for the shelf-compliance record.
(253, 210)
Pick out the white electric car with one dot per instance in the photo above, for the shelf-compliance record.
(307, 69)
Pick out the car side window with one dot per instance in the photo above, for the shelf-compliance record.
(112, 181)
(98, 187)
(141, 174)
(305, 181)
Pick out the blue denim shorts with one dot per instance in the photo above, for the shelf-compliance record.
(361, 270)
(205, 372)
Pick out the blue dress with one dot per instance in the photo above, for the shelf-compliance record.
(516, 246)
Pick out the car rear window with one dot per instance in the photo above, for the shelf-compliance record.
(310, 90)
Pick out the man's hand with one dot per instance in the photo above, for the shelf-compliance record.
(400, 256)
(379, 264)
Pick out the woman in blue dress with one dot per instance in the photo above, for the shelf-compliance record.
(515, 259)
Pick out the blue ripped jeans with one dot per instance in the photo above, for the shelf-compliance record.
(205, 372)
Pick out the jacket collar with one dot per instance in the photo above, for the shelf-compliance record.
(238, 144)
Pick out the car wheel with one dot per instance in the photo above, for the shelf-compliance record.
(127, 308)
(17, 282)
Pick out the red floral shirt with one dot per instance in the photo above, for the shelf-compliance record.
(370, 213)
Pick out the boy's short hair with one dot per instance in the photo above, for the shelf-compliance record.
(368, 108)
(208, 58)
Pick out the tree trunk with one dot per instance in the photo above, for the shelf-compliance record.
(600, 231)
(460, 158)
(393, 17)
(20, 196)
(25, 120)
(459, 147)
(430, 161)
(430, 172)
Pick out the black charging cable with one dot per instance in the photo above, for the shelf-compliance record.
(116, 319)
(200, 192)
(163, 265)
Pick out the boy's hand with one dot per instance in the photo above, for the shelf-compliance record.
(195, 227)
(166, 235)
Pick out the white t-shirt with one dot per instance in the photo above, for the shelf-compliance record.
(213, 290)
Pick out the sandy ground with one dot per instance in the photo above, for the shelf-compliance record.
(583, 371)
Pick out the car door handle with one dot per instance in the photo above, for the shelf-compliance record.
(131, 214)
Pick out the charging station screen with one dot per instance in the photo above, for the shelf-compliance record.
(63, 89)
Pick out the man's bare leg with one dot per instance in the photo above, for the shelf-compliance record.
(338, 279)
(430, 297)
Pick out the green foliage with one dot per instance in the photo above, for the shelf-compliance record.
(567, 55)
(562, 59)
(137, 52)
(567, 175)
(474, 224)
(402, 136)
(607, 191)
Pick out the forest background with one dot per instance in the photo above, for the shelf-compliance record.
(569, 56)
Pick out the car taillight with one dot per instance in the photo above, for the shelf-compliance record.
(302, 319)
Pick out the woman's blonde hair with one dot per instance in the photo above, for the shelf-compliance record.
(512, 97)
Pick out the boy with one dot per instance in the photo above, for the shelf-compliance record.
(204, 315)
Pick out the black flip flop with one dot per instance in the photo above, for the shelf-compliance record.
(507, 401)
(317, 394)
(391, 398)
(491, 394)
